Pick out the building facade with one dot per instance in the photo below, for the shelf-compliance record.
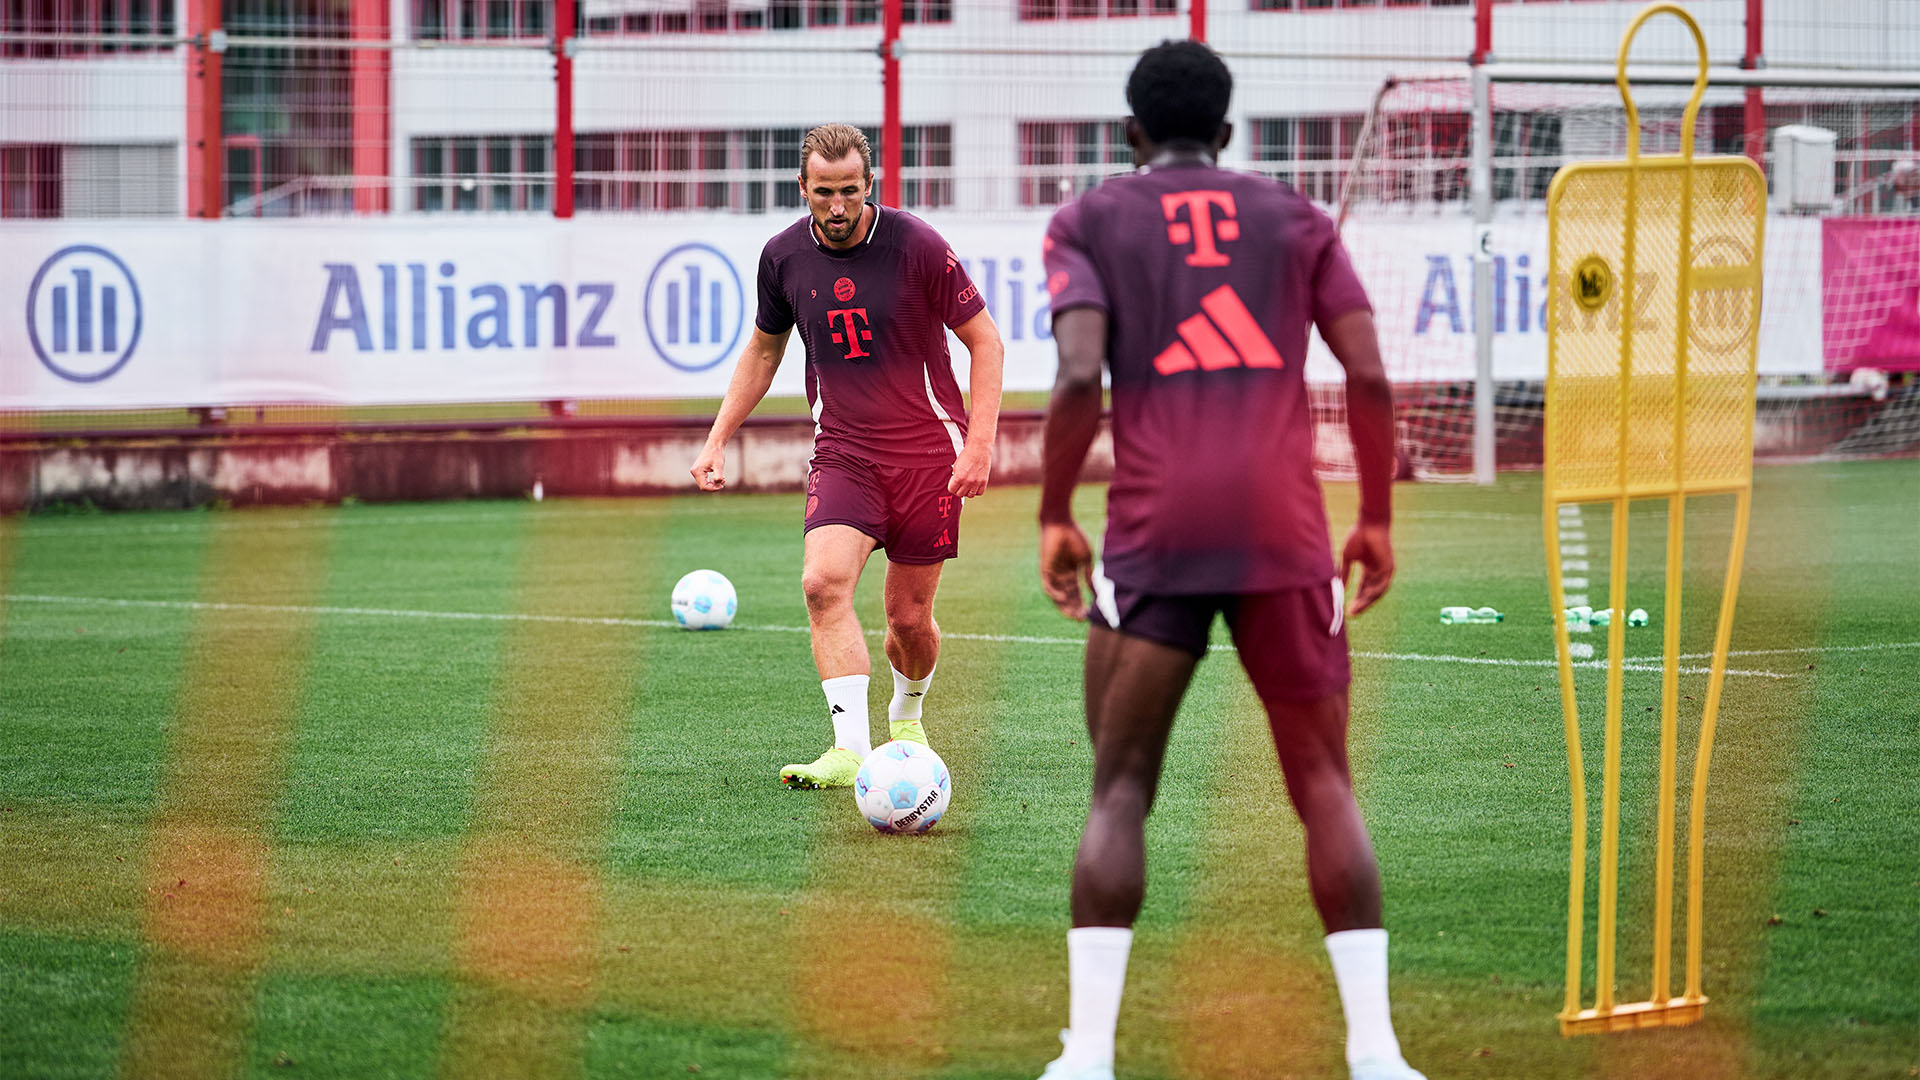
(441, 107)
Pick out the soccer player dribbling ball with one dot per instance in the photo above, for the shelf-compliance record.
(873, 291)
(1196, 287)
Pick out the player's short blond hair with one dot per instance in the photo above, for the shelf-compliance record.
(832, 142)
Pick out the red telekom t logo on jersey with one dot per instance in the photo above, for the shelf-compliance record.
(851, 331)
(1200, 229)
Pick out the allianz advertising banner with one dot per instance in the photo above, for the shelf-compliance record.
(118, 315)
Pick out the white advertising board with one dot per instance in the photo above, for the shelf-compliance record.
(110, 314)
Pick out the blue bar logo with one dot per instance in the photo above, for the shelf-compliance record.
(694, 307)
(83, 313)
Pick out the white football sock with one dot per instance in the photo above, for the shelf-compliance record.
(907, 696)
(847, 702)
(1360, 968)
(1096, 973)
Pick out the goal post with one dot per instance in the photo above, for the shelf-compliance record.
(1443, 212)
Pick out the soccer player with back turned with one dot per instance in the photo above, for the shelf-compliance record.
(1196, 287)
(873, 291)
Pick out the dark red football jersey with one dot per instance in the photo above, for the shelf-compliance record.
(1211, 280)
(874, 319)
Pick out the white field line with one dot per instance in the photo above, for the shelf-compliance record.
(270, 520)
(1638, 664)
(1572, 559)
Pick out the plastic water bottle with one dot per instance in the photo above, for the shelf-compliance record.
(1485, 615)
(1452, 616)
(1637, 617)
(1579, 615)
(1603, 617)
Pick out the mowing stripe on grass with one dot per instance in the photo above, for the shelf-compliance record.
(530, 888)
(1633, 663)
(1754, 760)
(1252, 990)
(207, 853)
(983, 713)
(875, 916)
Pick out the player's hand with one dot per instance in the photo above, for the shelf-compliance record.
(710, 469)
(1370, 546)
(970, 472)
(1066, 560)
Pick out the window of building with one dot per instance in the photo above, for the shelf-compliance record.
(30, 181)
(79, 20)
(1059, 159)
(1528, 148)
(1095, 9)
(719, 16)
(1312, 153)
(749, 171)
(1331, 5)
(926, 165)
(470, 20)
(482, 173)
(1872, 136)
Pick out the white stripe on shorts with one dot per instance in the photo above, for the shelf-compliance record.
(1103, 597)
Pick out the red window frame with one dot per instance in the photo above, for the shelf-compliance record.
(30, 180)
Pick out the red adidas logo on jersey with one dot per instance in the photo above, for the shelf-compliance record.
(1225, 335)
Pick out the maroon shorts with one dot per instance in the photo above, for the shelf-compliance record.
(908, 511)
(1292, 642)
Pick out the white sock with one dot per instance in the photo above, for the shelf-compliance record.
(847, 702)
(1360, 968)
(907, 696)
(1096, 973)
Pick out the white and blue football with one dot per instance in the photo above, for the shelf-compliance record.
(704, 600)
(902, 787)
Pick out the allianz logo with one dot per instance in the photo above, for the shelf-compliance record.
(84, 313)
(692, 309)
(403, 307)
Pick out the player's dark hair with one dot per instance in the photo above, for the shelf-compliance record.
(833, 142)
(1180, 90)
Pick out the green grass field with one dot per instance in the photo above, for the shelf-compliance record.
(436, 790)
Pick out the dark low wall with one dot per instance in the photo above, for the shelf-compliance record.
(573, 457)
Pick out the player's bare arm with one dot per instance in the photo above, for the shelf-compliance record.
(1355, 344)
(1073, 417)
(983, 343)
(751, 378)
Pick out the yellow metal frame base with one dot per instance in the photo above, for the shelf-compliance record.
(1676, 1012)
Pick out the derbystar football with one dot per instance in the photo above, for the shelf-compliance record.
(704, 600)
(902, 787)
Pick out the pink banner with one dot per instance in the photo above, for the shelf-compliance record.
(1870, 293)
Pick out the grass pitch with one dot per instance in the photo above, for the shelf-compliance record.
(437, 790)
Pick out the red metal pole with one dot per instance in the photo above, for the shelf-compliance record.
(1482, 30)
(1197, 20)
(372, 118)
(563, 108)
(205, 199)
(890, 127)
(1755, 118)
